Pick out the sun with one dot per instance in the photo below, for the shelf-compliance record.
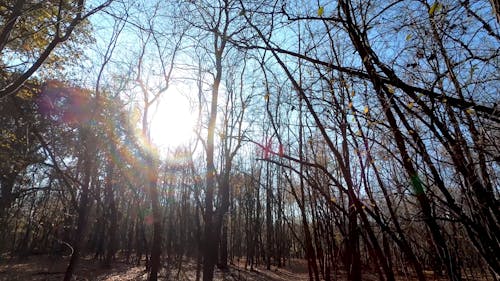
(173, 121)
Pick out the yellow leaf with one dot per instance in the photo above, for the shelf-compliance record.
(433, 8)
(410, 105)
(353, 93)
(408, 37)
(436, 7)
(470, 110)
(349, 105)
(366, 110)
(321, 10)
(391, 89)
(266, 96)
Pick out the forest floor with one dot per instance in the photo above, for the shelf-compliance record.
(44, 268)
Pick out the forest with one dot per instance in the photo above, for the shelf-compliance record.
(263, 140)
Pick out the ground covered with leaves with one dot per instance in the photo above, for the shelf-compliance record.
(49, 268)
(45, 268)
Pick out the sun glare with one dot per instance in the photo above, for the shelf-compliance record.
(173, 121)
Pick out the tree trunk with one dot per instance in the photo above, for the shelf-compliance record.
(83, 207)
(112, 219)
(269, 222)
(156, 245)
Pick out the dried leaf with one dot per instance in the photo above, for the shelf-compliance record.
(471, 71)
(436, 7)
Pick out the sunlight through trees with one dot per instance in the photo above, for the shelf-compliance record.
(249, 140)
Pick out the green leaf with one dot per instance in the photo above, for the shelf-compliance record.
(417, 185)
(408, 37)
(321, 10)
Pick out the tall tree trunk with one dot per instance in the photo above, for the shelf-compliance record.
(112, 216)
(223, 263)
(151, 174)
(7, 181)
(156, 245)
(309, 248)
(222, 218)
(269, 222)
(83, 208)
(353, 258)
(211, 231)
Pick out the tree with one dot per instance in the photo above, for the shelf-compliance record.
(19, 146)
(361, 138)
(19, 42)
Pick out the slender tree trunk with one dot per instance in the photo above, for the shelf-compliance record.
(211, 231)
(112, 219)
(156, 245)
(309, 248)
(6, 184)
(269, 222)
(224, 244)
(353, 257)
(84, 205)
